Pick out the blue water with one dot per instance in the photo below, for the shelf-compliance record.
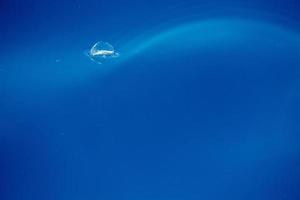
(202, 103)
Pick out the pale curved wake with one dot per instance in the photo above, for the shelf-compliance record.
(208, 33)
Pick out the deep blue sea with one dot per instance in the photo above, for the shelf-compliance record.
(202, 103)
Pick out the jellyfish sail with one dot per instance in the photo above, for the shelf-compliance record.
(101, 51)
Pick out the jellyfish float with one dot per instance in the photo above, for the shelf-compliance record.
(101, 51)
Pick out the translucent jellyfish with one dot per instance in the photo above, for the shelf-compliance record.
(102, 51)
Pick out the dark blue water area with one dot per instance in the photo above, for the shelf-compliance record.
(202, 103)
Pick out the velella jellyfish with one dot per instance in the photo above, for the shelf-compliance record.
(101, 51)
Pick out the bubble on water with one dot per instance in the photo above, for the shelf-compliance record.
(101, 51)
